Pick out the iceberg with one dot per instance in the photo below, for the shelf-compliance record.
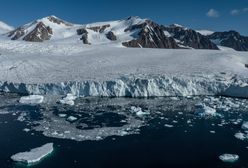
(69, 99)
(240, 136)
(34, 155)
(245, 125)
(32, 99)
(230, 158)
(138, 111)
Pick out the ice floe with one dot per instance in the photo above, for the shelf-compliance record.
(245, 125)
(230, 158)
(34, 155)
(32, 99)
(240, 136)
(138, 111)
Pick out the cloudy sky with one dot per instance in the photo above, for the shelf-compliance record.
(217, 15)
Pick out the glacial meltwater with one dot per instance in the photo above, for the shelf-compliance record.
(161, 132)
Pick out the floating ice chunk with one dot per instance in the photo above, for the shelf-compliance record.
(205, 110)
(209, 111)
(168, 125)
(32, 99)
(69, 99)
(26, 129)
(240, 136)
(212, 132)
(139, 111)
(245, 125)
(62, 115)
(71, 118)
(230, 158)
(34, 155)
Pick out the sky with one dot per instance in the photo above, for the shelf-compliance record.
(216, 15)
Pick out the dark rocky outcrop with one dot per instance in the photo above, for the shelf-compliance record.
(190, 38)
(17, 33)
(230, 39)
(99, 29)
(40, 33)
(111, 36)
(58, 21)
(84, 35)
(150, 35)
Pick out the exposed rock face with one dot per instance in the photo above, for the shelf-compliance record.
(58, 21)
(111, 36)
(16, 34)
(150, 35)
(84, 33)
(99, 29)
(190, 38)
(230, 39)
(39, 34)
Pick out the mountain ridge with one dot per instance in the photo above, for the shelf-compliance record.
(129, 32)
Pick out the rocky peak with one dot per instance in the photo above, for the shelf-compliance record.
(150, 35)
(40, 33)
(190, 38)
(57, 20)
(230, 39)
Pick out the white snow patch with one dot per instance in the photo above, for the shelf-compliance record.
(205, 32)
(4, 28)
(34, 155)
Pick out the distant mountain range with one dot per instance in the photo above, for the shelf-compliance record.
(129, 32)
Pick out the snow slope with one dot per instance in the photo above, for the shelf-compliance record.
(62, 68)
(205, 32)
(4, 28)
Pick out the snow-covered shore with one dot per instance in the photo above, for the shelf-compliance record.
(62, 68)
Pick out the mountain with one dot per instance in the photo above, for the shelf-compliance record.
(4, 28)
(230, 39)
(189, 38)
(129, 32)
(48, 28)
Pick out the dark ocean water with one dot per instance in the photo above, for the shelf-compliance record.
(186, 144)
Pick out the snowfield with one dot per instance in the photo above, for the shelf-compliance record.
(108, 70)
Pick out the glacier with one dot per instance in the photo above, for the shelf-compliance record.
(134, 87)
(53, 68)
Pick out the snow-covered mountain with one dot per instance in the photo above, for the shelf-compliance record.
(4, 28)
(48, 28)
(230, 39)
(190, 38)
(128, 32)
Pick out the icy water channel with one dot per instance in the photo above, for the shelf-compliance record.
(124, 132)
